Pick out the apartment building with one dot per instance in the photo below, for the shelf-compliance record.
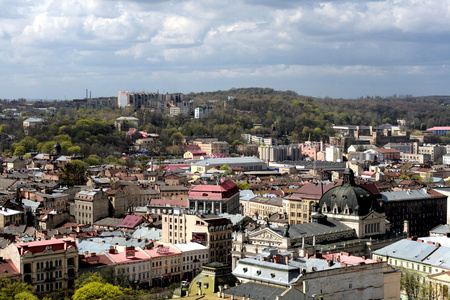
(166, 264)
(210, 231)
(194, 256)
(300, 203)
(47, 265)
(90, 205)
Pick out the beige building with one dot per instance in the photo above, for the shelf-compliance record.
(210, 230)
(91, 205)
(166, 264)
(300, 203)
(260, 207)
(117, 202)
(213, 146)
(46, 265)
(10, 216)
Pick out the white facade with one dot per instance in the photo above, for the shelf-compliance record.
(123, 98)
(446, 159)
(333, 153)
(193, 257)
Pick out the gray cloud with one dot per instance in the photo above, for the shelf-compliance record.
(336, 48)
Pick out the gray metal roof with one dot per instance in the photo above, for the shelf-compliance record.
(309, 229)
(404, 195)
(408, 250)
(152, 234)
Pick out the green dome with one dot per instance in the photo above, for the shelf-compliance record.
(349, 198)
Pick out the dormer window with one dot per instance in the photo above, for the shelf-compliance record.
(324, 208)
(335, 209)
(346, 209)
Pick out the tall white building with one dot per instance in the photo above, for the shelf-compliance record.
(333, 153)
(123, 98)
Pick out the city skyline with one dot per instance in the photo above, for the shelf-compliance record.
(58, 49)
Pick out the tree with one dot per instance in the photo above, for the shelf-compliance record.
(93, 160)
(411, 284)
(97, 290)
(74, 173)
(11, 290)
(19, 151)
(89, 277)
(120, 278)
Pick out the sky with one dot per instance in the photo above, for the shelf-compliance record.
(54, 49)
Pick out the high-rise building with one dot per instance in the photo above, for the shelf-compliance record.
(123, 99)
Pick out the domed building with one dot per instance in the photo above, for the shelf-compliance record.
(353, 206)
(347, 218)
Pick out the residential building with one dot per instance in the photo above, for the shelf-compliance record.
(194, 256)
(135, 262)
(214, 199)
(167, 206)
(123, 98)
(424, 257)
(261, 207)
(439, 130)
(417, 158)
(280, 153)
(32, 124)
(434, 151)
(421, 209)
(91, 205)
(246, 163)
(300, 203)
(179, 110)
(126, 123)
(260, 140)
(333, 153)
(209, 230)
(388, 154)
(402, 147)
(166, 264)
(47, 265)
(150, 101)
(194, 154)
(203, 111)
(10, 216)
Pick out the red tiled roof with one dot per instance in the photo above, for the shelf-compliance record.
(154, 251)
(439, 128)
(346, 259)
(40, 246)
(197, 152)
(171, 202)
(130, 221)
(7, 267)
(121, 257)
(226, 186)
(312, 191)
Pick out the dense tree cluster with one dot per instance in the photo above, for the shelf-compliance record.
(284, 115)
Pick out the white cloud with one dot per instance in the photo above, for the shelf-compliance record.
(114, 42)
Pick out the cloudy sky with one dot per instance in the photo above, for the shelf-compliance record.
(56, 49)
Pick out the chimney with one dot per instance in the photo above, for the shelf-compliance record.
(277, 258)
(286, 259)
(330, 263)
(438, 245)
(307, 255)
